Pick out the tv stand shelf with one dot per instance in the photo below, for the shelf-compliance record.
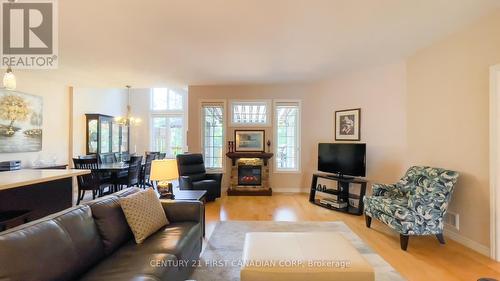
(341, 193)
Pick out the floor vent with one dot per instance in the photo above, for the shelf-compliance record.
(452, 219)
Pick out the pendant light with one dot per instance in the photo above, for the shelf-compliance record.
(9, 79)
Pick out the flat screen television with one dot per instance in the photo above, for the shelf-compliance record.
(342, 158)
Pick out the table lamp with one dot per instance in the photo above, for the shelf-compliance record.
(164, 171)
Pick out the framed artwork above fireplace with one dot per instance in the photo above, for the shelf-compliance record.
(249, 140)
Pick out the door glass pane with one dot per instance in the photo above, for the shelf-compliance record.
(115, 138)
(168, 135)
(105, 131)
(287, 137)
(213, 126)
(92, 136)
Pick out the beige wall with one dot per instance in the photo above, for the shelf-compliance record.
(448, 116)
(379, 91)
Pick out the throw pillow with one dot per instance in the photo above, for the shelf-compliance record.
(144, 214)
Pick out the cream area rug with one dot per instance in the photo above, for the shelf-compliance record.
(221, 258)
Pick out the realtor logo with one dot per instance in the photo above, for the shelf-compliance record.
(29, 34)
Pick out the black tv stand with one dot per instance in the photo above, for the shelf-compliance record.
(339, 176)
(341, 193)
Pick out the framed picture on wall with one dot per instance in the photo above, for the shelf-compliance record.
(21, 122)
(348, 125)
(249, 140)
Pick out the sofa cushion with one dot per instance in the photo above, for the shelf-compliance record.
(111, 222)
(134, 267)
(144, 214)
(165, 255)
(58, 247)
(179, 239)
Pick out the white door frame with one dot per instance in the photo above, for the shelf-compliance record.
(494, 162)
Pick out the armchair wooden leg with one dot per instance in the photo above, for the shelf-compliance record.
(404, 241)
(368, 221)
(440, 238)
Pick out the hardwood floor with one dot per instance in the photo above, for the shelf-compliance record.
(425, 259)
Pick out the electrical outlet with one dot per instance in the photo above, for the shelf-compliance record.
(452, 219)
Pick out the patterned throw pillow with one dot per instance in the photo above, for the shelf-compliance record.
(144, 214)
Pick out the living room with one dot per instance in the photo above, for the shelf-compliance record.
(415, 85)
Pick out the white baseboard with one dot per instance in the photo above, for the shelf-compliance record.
(279, 190)
(290, 190)
(469, 243)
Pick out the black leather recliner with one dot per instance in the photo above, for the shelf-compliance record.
(193, 176)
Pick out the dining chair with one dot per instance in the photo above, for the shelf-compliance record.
(125, 156)
(105, 177)
(151, 152)
(90, 156)
(107, 158)
(146, 172)
(133, 173)
(89, 182)
(161, 155)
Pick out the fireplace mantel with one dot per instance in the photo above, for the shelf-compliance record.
(252, 159)
(238, 155)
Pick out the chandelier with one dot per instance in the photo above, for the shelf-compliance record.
(128, 120)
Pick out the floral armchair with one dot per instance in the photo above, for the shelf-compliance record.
(415, 205)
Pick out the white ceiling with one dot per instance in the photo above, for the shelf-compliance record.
(155, 42)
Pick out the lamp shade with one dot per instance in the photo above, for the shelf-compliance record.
(164, 170)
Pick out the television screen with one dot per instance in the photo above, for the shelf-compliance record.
(342, 158)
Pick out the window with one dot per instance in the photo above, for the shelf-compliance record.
(167, 99)
(168, 128)
(213, 130)
(250, 113)
(287, 136)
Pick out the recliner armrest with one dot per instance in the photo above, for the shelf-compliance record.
(215, 176)
(185, 182)
(180, 211)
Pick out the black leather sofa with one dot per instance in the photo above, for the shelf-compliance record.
(193, 176)
(94, 242)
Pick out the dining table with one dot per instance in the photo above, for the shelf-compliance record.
(116, 170)
(113, 167)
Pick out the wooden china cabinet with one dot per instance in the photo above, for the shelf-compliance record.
(105, 135)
